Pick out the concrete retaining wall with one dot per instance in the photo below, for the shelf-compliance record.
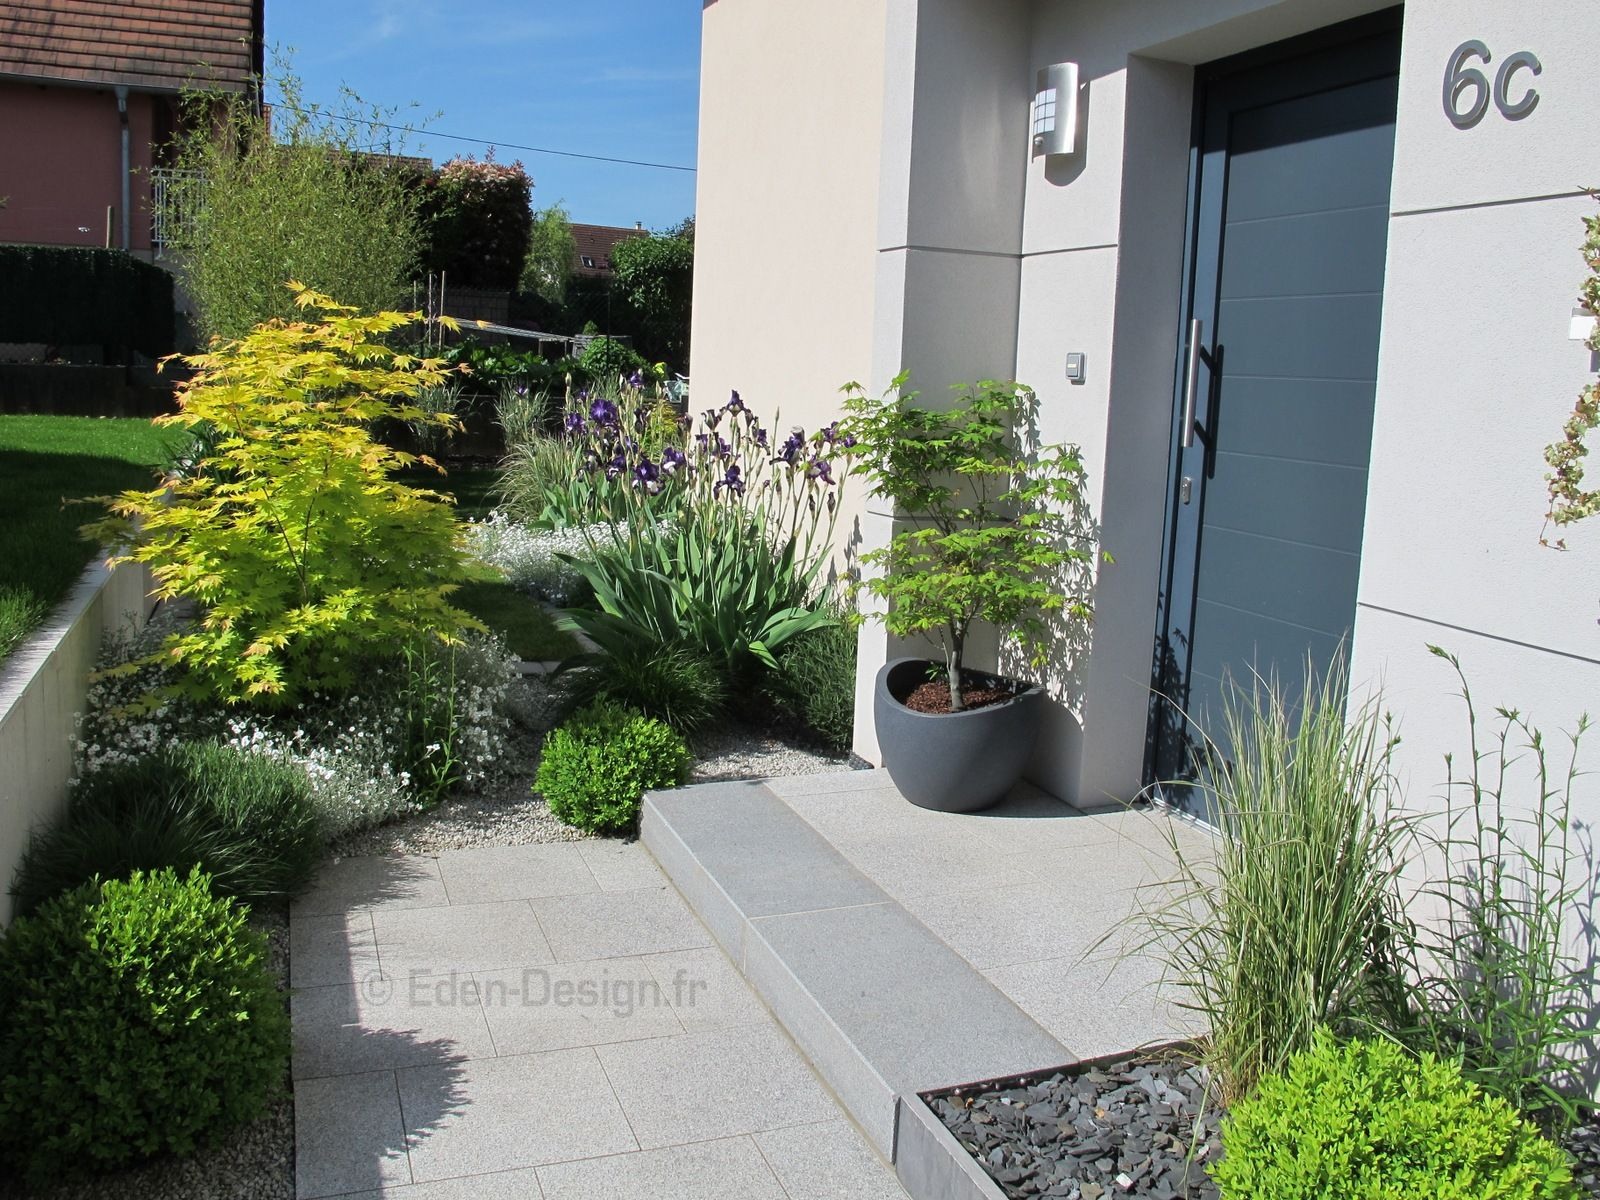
(43, 685)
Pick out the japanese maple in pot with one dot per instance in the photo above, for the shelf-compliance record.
(997, 532)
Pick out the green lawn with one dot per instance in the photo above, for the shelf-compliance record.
(526, 626)
(46, 464)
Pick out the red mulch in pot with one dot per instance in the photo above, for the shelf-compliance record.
(934, 696)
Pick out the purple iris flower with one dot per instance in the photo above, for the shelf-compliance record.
(603, 412)
(830, 432)
(673, 460)
(760, 436)
(636, 380)
(703, 440)
(647, 475)
(574, 424)
(734, 404)
(617, 465)
(820, 468)
(711, 418)
(733, 481)
(789, 452)
(720, 448)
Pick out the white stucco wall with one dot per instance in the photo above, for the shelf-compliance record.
(791, 115)
(1476, 375)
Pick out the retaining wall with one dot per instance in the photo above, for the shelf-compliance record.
(43, 685)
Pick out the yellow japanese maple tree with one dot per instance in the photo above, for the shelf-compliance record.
(303, 551)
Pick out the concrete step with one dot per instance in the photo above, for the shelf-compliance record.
(882, 1007)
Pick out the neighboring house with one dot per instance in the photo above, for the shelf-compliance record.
(88, 97)
(595, 244)
(1381, 301)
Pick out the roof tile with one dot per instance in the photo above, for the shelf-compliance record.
(155, 44)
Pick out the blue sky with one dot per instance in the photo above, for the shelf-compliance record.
(608, 77)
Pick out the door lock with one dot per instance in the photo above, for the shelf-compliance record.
(1186, 489)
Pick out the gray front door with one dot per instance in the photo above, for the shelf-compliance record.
(1273, 421)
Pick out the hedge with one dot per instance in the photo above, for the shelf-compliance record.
(84, 296)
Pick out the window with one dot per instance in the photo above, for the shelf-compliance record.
(587, 261)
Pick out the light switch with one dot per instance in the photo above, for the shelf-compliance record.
(1075, 368)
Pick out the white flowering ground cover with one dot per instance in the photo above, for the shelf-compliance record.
(348, 746)
(529, 558)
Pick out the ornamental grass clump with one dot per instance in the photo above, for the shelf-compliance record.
(1000, 531)
(303, 551)
(1291, 922)
(1364, 1120)
(245, 819)
(137, 1018)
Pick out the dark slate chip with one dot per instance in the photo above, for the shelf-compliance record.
(1127, 1129)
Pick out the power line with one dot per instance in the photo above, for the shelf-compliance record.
(431, 133)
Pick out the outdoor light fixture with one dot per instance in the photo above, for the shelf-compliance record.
(1055, 110)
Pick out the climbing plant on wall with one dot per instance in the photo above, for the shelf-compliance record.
(1569, 500)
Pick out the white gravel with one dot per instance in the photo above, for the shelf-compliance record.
(738, 753)
(510, 813)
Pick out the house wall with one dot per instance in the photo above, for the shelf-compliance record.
(785, 217)
(1476, 374)
(987, 263)
(60, 164)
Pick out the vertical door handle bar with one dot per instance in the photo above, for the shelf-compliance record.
(1191, 380)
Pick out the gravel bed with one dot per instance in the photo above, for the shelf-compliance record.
(253, 1162)
(741, 752)
(1583, 1143)
(1123, 1129)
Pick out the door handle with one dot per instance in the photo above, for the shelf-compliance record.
(1191, 379)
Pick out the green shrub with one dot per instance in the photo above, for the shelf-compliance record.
(476, 215)
(1365, 1121)
(605, 360)
(248, 821)
(136, 1018)
(655, 279)
(816, 682)
(598, 764)
(79, 295)
(671, 683)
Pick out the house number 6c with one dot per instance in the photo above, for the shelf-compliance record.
(1460, 79)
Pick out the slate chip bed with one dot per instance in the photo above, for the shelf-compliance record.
(1137, 1127)
(1583, 1143)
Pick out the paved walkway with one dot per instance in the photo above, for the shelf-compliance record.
(1032, 892)
(538, 1023)
(907, 950)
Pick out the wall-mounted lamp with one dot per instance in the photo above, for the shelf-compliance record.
(1055, 110)
(1582, 328)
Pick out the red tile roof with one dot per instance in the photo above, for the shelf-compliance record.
(150, 45)
(595, 243)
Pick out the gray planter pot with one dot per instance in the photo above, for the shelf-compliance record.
(953, 762)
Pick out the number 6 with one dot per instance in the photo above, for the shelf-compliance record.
(1458, 77)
